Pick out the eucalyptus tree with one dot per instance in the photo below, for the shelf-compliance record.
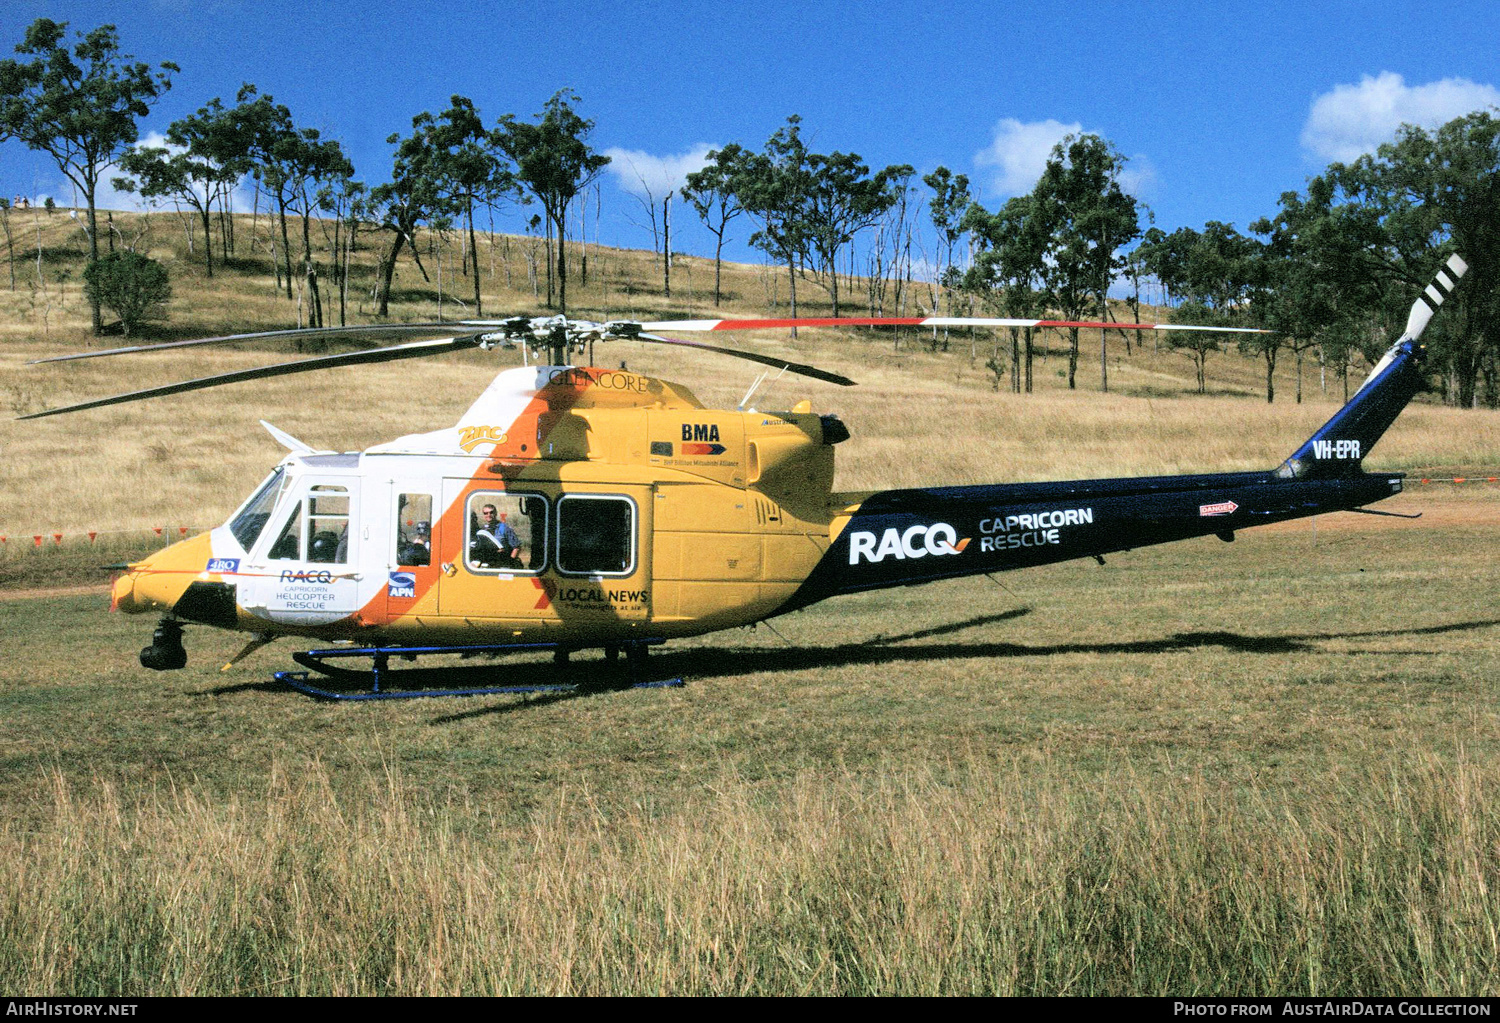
(713, 193)
(413, 195)
(1220, 277)
(843, 199)
(200, 165)
(949, 207)
(1428, 192)
(10, 244)
(80, 106)
(347, 202)
(290, 163)
(774, 187)
(554, 162)
(1010, 265)
(471, 169)
(1090, 219)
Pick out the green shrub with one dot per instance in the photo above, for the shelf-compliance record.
(129, 284)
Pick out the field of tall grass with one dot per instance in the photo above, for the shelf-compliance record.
(1201, 769)
(1258, 768)
(970, 875)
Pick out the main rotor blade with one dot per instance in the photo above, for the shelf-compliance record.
(801, 369)
(924, 321)
(372, 331)
(413, 350)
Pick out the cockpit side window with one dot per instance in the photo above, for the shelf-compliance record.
(288, 545)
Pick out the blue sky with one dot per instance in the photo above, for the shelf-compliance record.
(1220, 107)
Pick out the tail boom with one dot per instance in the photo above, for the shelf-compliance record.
(906, 537)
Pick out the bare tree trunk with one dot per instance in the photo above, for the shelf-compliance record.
(562, 262)
(208, 238)
(286, 245)
(1028, 359)
(387, 271)
(10, 246)
(474, 252)
(1104, 360)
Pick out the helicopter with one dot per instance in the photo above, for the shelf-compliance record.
(578, 507)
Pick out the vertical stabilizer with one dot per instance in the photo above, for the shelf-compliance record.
(1340, 444)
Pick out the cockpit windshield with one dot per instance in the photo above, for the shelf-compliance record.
(247, 525)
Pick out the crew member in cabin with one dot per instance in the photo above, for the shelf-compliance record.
(495, 544)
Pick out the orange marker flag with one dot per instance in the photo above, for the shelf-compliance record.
(57, 539)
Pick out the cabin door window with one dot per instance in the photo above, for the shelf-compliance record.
(596, 535)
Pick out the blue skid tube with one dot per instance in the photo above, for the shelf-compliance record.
(380, 657)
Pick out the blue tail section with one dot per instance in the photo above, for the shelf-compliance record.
(1337, 448)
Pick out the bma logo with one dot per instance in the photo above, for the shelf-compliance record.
(402, 584)
(1342, 449)
(700, 432)
(916, 541)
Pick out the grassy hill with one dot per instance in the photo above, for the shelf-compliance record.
(918, 416)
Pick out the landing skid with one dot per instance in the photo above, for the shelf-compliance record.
(440, 681)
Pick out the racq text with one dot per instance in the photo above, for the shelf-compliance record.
(1329, 1008)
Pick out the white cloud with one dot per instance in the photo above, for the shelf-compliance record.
(1019, 152)
(1138, 177)
(639, 173)
(108, 197)
(1351, 120)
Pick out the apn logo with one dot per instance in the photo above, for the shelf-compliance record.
(402, 584)
(916, 542)
(1343, 449)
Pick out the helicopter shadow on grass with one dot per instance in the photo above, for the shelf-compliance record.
(710, 663)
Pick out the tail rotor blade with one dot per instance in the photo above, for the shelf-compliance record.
(1428, 301)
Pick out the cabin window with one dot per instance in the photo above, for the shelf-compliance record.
(328, 525)
(413, 529)
(252, 518)
(506, 532)
(596, 535)
(317, 530)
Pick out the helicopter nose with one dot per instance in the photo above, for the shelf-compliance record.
(156, 583)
